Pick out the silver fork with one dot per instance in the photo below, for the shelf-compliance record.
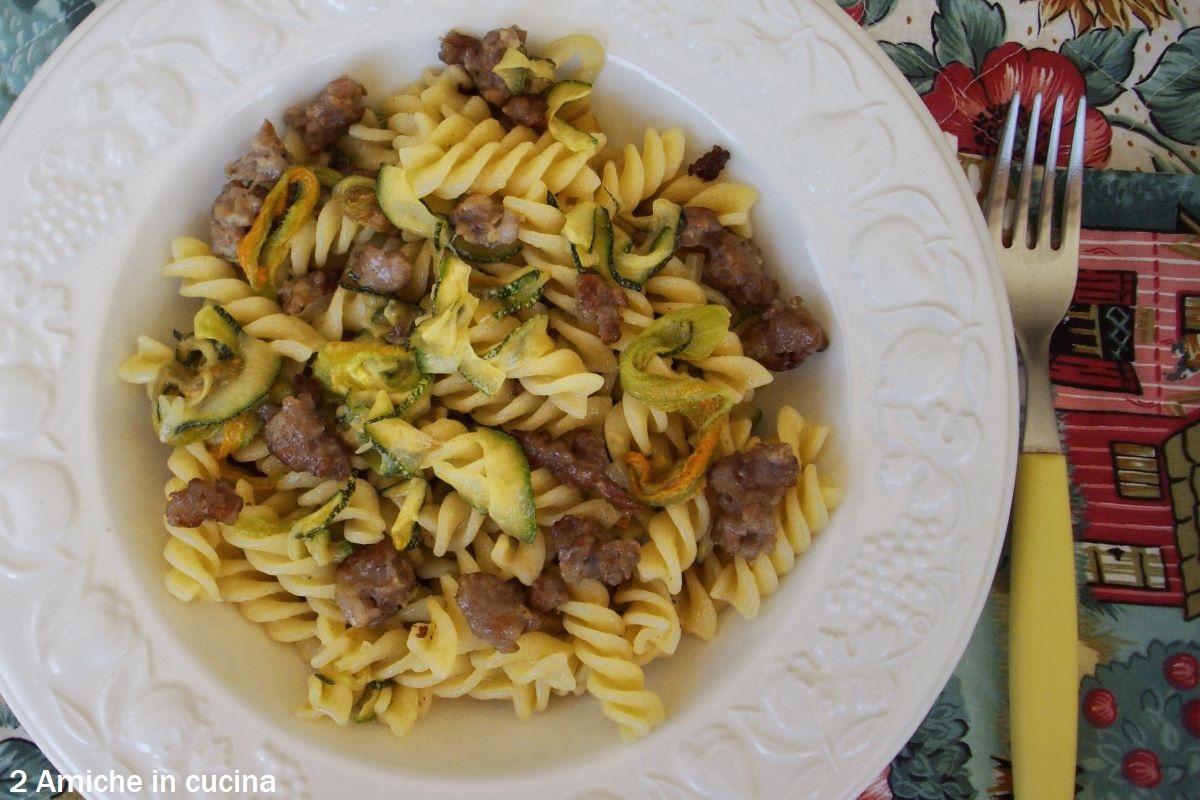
(1040, 280)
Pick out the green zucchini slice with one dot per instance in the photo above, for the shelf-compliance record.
(364, 366)
(400, 204)
(198, 392)
(498, 483)
(518, 294)
(481, 254)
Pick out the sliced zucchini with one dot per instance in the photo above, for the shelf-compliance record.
(497, 483)
(215, 323)
(309, 525)
(597, 245)
(441, 341)
(481, 254)
(522, 74)
(482, 374)
(589, 230)
(510, 488)
(529, 341)
(563, 97)
(231, 387)
(519, 293)
(405, 210)
(632, 269)
(365, 366)
(404, 446)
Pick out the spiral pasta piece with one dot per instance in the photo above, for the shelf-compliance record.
(671, 548)
(651, 620)
(192, 552)
(208, 277)
(613, 677)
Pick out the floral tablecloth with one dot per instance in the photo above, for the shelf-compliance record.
(1126, 364)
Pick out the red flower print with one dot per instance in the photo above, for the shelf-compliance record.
(1100, 707)
(1182, 670)
(857, 9)
(1142, 768)
(973, 107)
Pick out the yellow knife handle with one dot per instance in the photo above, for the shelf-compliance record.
(1043, 636)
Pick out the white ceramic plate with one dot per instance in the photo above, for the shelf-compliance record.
(117, 147)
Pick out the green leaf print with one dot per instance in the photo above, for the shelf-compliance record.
(1172, 89)
(19, 754)
(966, 30)
(8, 720)
(917, 63)
(1105, 57)
(877, 10)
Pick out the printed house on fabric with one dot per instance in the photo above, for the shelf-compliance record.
(1126, 363)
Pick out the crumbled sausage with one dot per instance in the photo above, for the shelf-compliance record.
(374, 269)
(296, 295)
(495, 610)
(456, 46)
(547, 592)
(589, 447)
(734, 264)
(482, 221)
(784, 336)
(600, 302)
(373, 583)
(528, 110)
(708, 167)
(586, 550)
(297, 436)
(480, 61)
(748, 487)
(329, 115)
(203, 500)
(572, 469)
(233, 213)
(265, 161)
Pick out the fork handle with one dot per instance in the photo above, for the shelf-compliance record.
(1043, 636)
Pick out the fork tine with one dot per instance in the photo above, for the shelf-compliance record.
(998, 189)
(1020, 235)
(1044, 225)
(1072, 205)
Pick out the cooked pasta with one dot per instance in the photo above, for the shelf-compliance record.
(467, 408)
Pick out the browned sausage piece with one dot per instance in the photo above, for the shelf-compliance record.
(749, 485)
(203, 500)
(297, 294)
(265, 162)
(587, 550)
(456, 46)
(494, 610)
(329, 115)
(734, 264)
(483, 221)
(572, 469)
(547, 592)
(297, 436)
(373, 583)
(528, 110)
(708, 167)
(374, 269)
(784, 337)
(599, 302)
(480, 61)
(233, 213)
